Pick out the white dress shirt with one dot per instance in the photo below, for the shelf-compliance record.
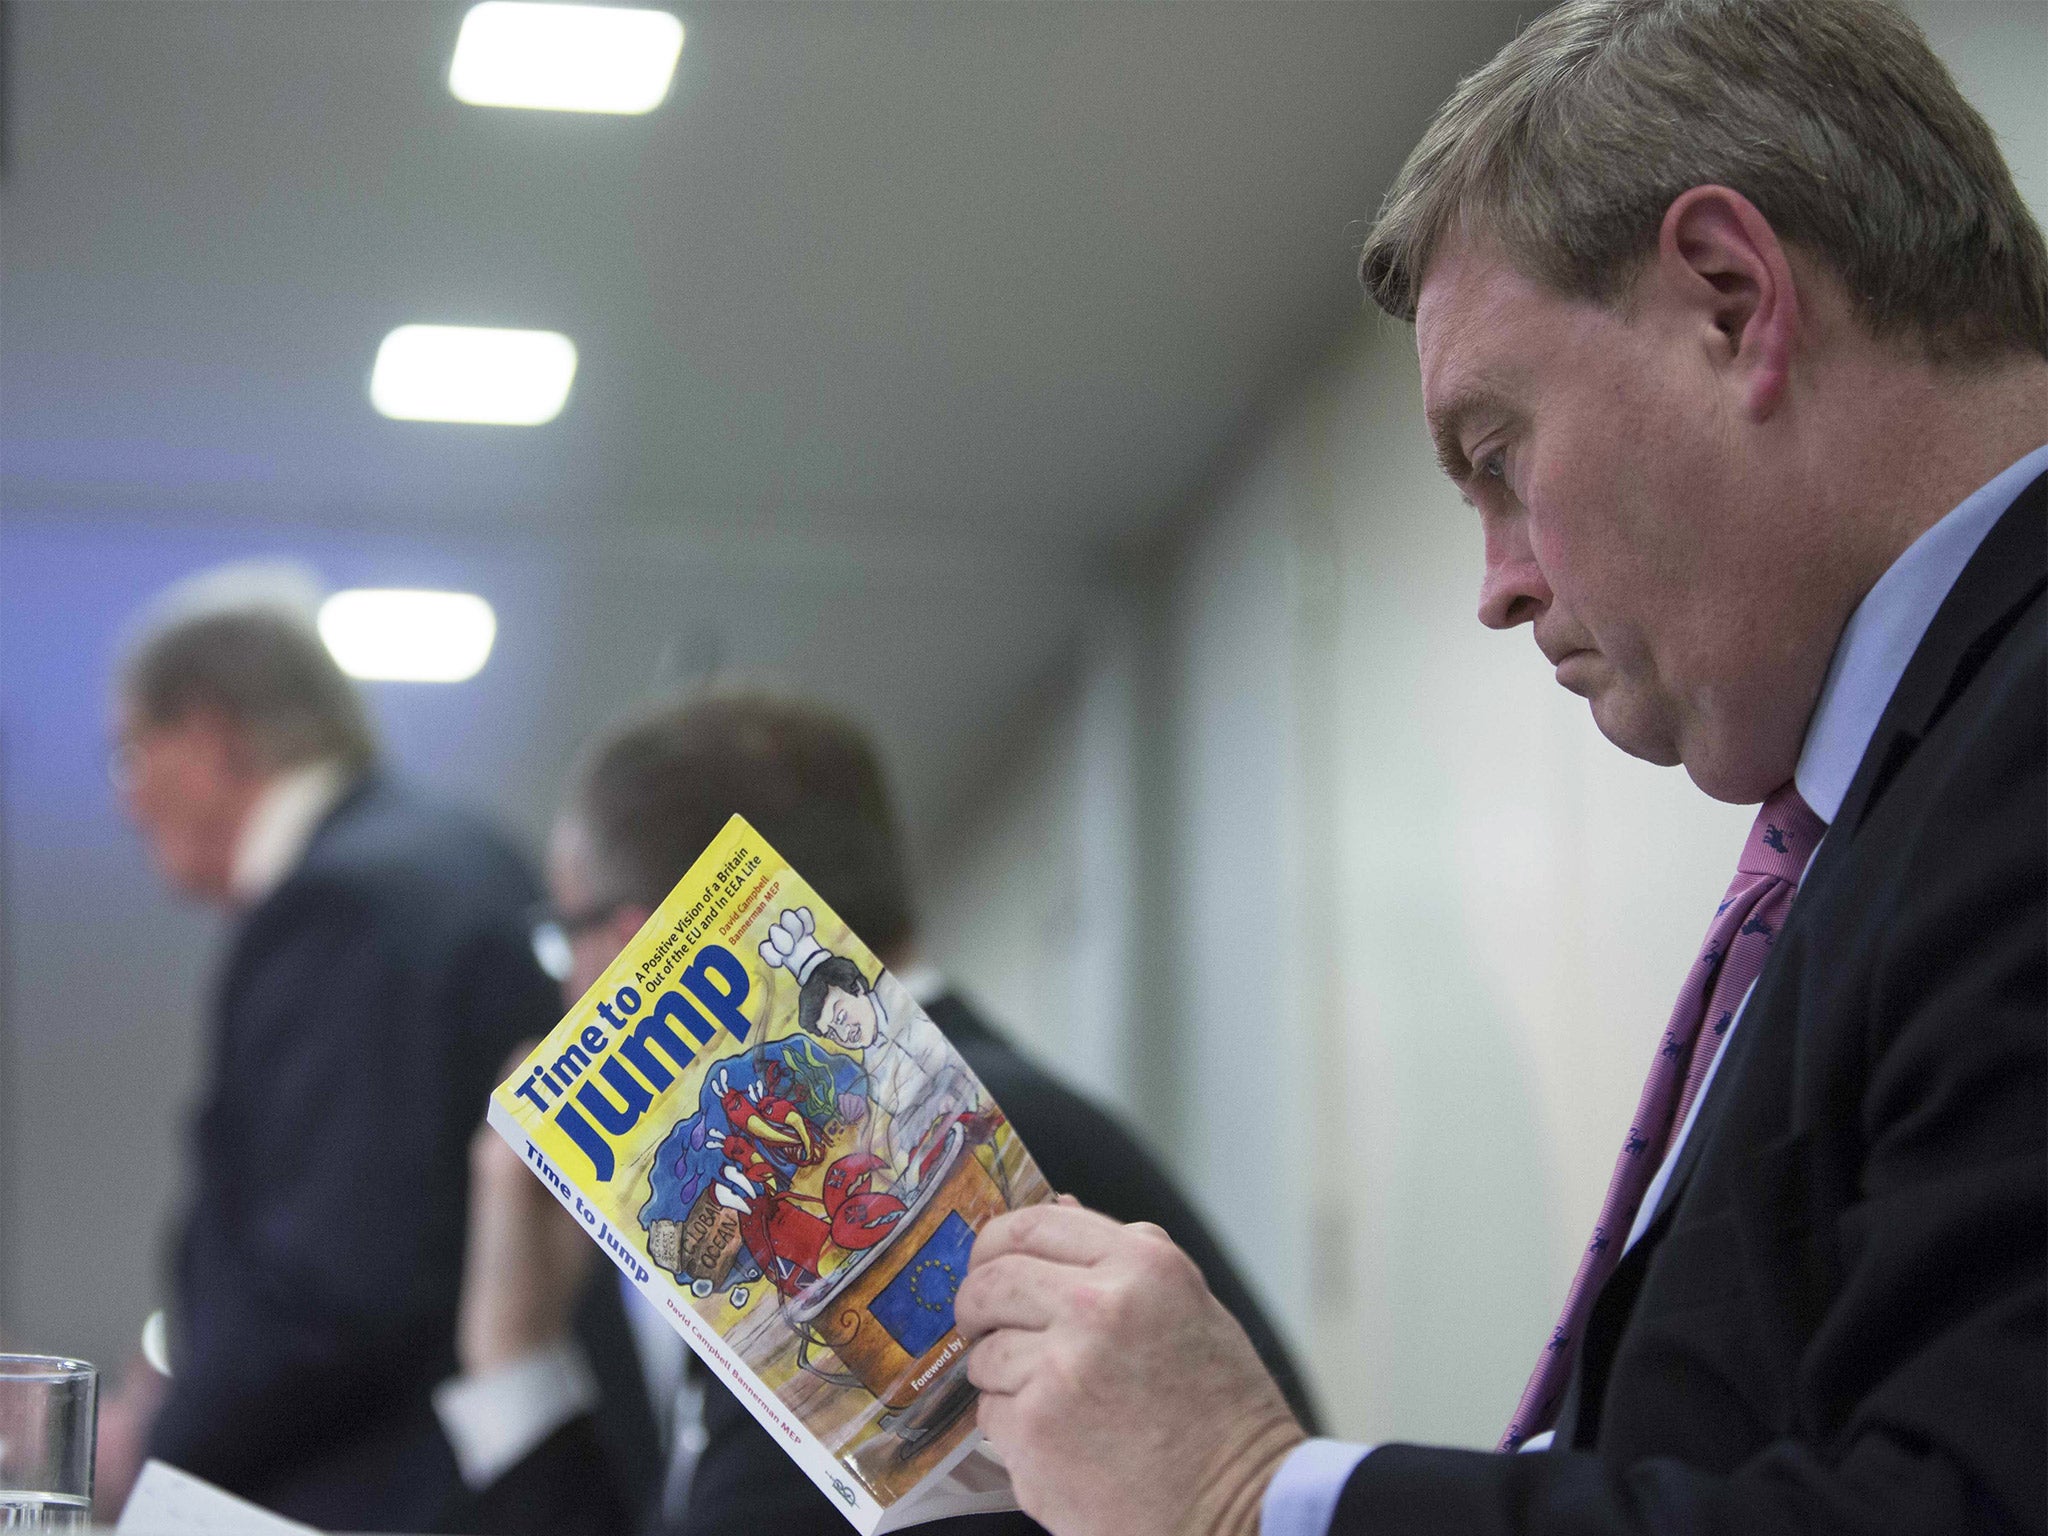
(1870, 658)
(280, 825)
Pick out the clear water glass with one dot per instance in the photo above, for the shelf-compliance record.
(46, 1443)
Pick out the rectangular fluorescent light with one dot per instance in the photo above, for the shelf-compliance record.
(565, 58)
(473, 373)
(399, 635)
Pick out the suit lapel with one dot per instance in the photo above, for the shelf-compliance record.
(2003, 577)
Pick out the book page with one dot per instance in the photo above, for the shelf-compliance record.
(168, 1502)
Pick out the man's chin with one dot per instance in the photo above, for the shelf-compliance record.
(1628, 730)
(1741, 780)
(194, 882)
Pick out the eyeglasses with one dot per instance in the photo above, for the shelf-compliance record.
(131, 746)
(576, 924)
(554, 933)
(124, 761)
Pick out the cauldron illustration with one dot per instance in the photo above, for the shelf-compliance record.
(888, 1315)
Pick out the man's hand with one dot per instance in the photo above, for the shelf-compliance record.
(1124, 1398)
(524, 1263)
(125, 1417)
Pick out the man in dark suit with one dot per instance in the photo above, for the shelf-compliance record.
(647, 801)
(1734, 332)
(379, 968)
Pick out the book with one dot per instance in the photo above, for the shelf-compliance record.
(763, 1130)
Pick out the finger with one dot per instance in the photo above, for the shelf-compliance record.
(1004, 1362)
(995, 1416)
(495, 1170)
(1066, 1234)
(1019, 1291)
(1012, 1423)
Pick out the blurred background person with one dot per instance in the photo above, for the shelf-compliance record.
(647, 800)
(377, 970)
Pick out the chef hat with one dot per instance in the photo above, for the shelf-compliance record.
(791, 944)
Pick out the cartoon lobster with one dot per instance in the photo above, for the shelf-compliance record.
(978, 1127)
(861, 1215)
(769, 1142)
(763, 1113)
(785, 1240)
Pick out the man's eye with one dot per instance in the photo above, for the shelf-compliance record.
(1494, 466)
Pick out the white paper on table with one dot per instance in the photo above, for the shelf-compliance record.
(167, 1502)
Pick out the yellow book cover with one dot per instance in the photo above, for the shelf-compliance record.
(767, 1134)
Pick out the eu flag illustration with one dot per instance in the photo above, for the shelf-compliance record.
(917, 1306)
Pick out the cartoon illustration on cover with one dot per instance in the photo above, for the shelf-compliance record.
(770, 1138)
(821, 1202)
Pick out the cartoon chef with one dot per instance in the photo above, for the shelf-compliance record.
(916, 1085)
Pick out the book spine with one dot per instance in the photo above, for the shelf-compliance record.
(834, 1480)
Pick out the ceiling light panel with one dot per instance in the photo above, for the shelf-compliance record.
(565, 58)
(474, 374)
(403, 635)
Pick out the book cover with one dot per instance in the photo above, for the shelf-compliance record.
(766, 1133)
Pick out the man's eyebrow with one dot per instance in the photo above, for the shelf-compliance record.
(1447, 424)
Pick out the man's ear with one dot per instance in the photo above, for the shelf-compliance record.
(1719, 259)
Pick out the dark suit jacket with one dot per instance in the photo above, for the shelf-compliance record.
(745, 1484)
(362, 1015)
(1835, 1321)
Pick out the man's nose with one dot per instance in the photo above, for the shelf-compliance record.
(1514, 590)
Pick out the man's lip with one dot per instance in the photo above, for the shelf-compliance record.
(1563, 662)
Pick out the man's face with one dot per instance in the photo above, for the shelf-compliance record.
(597, 929)
(849, 1019)
(1625, 502)
(188, 786)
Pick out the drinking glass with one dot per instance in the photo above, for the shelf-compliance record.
(46, 1439)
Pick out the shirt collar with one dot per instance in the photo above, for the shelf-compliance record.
(1884, 632)
(280, 825)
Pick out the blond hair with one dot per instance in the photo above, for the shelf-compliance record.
(1833, 117)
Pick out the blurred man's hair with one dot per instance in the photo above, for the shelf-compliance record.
(652, 794)
(260, 665)
(1833, 117)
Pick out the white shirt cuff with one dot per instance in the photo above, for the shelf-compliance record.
(1302, 1498)
(493, 1419)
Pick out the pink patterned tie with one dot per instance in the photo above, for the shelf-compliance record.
(1767, 877)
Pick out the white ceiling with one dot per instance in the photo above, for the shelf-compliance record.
(1008, 271)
